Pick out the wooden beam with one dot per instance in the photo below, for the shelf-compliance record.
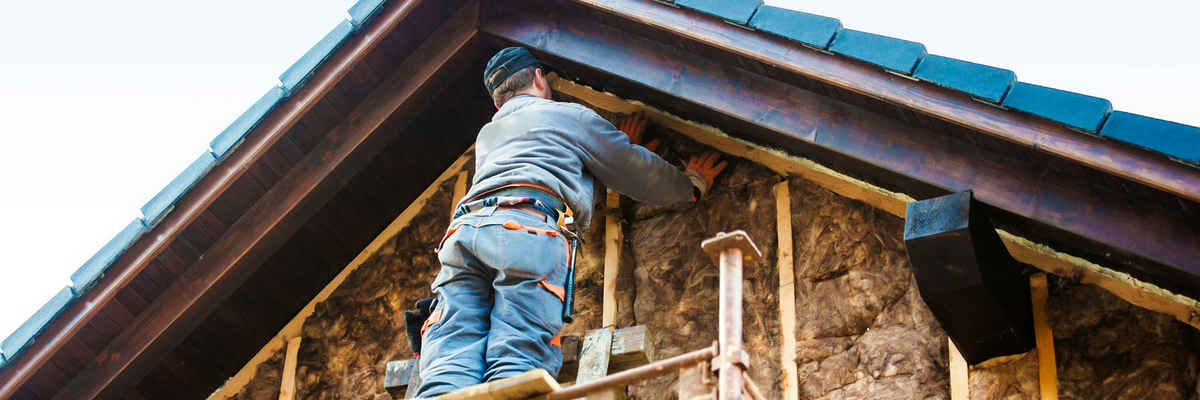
(1043, 257)
(787, 292)
(287, 384)
(293, 327)
(279, 213)
(630, 348)
(526, 385)
(612, 258)
(210, 188)
(960, 385)
(1047, 366)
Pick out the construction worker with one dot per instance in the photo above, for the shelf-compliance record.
(505, 257)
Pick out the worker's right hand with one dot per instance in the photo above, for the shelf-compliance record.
(703, 169)
(634, 126)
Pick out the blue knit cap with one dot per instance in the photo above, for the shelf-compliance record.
(505, 63)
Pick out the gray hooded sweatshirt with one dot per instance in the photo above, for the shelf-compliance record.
(565, 147)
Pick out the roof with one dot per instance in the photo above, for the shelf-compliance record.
(291, 80)
(997, 87)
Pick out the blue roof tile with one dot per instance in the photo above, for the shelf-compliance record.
(161, 202)
(738, 11)
(245, 122)
(1074, 109)
(32, 326)
(888, 52)
(813, 30)
(302, 68)
(978, 80)
(1171, 138)
(363, 10)
(95, 266)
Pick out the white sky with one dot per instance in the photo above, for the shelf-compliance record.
(103, 103)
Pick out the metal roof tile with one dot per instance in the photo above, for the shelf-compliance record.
(245, 122)
(95, 266)
(1171, 138)
(362, 10)
(738, 11)
(811, 29)
(28, 330)
(888, 52)
(1074, 109)
(158, 206)
(296, 74)
(979, 80)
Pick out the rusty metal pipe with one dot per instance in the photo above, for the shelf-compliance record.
(623, 378)
(729, 328)
(752, 388)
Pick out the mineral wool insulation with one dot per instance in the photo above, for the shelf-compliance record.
(863, 331)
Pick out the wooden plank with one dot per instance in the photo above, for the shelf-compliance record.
(293, 328)
(960, 387)
(287, 384)
(787, 292)
(1047, 366)
(1043, 257)
(612, 258)
(526, 385)
(594, 360)
(631, 347)
(397, 373)
(460, 189)
(281, 211)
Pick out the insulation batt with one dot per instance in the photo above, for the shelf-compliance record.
(863, 331)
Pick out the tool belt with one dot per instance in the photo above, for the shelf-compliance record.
(537, 197)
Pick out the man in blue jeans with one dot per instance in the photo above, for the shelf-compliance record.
(499, 294)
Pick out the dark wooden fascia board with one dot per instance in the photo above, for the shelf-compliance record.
(1138, 165)
(776, 113)
(283, 209)
(211, 187)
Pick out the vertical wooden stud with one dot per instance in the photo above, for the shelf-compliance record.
(612, 259)
(1047, 365)
(787, 291)
(959, 384)
(460, 190)
(287, 385)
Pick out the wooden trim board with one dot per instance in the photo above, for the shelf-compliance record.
(787, 292)
(293, 328)
(1122, 285)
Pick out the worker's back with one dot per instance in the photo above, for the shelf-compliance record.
(561, 146)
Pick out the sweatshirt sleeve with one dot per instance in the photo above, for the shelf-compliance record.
(627, 168)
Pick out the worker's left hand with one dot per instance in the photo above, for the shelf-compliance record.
(703, 169)
(634, 126)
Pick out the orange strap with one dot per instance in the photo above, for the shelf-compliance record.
(433, 319)
(556, 290)
(556, 341)
(516, 226)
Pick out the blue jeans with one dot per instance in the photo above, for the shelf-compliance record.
(499, 300)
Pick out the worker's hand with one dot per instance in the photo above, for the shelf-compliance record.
(703, 169)
(634, 126)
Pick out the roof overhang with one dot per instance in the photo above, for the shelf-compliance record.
(393, 105)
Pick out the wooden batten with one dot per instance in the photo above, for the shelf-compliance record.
(1047, 366)
(959, 383)
(287, 384)
(787, 292)
(612, 258)
(1043, 257)
(460, 189)
(293, 328)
